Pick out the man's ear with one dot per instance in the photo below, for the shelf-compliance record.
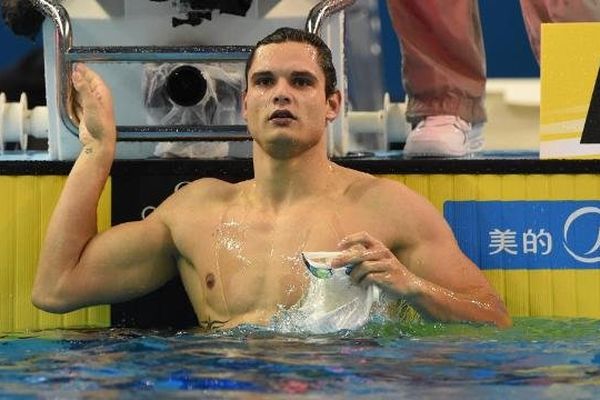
(244, 105)
(334, 103)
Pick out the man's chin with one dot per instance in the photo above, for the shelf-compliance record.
(283, 146)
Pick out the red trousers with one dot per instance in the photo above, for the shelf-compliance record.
(443, 57)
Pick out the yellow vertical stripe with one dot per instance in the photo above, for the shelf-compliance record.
(540, 296)
(441, 188)
(465, 187)
(27, 198)
(587, 293)
(561, 187)
(518, 284)
(489, 188)
(540, 292)
(514, 187)
(517, 293)
(7, 255)
(29, 201)
(418, 183)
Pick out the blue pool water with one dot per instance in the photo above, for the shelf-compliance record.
(538, 358)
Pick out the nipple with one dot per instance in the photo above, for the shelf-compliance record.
(210, 281)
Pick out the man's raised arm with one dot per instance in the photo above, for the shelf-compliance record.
(78, 266)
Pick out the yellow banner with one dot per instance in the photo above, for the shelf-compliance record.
(570, 91)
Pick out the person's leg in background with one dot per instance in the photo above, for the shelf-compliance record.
(444, 75)
(537, 12)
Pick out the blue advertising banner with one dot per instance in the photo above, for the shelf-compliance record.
(527, 234)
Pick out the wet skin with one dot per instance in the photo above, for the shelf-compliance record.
(248, 242)
(250, 253)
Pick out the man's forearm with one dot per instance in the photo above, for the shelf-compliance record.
(73, 223)
(438, 303)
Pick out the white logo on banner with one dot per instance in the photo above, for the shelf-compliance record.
(539, 242)
(588, 257)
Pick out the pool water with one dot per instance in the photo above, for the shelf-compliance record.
(537, 358)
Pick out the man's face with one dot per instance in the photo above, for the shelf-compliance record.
(285, 104)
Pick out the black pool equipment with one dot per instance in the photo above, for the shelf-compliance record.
(186, 85)
(197, 11)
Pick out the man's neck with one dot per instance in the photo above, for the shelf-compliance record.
(281, 182)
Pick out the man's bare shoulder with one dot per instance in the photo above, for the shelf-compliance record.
(368, 189)
(205, 192)
(388, 198)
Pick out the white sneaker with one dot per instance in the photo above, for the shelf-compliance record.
(443, 136)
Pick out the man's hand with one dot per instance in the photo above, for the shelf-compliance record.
(374, 263)
(93, 107)
(457, 292)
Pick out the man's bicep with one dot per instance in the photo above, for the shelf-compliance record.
(440, 261)
(434, 255)
(126, 261)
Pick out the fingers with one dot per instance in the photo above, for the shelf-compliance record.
(76, 75)
(81, 91)
(85, 82)
(370, 260)
(82, 76)
(92, 105)
(88, 86)
(360, 238)
(75, 108)
(365, 270)
(359, 254)
(360, 247)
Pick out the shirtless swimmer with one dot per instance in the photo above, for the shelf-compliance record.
(237, 246)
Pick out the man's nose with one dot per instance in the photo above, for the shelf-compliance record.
(281, 98)
(282, 93)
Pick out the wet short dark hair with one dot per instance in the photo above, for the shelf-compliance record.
(324, 58)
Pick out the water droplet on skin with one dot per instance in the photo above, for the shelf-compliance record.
(231, 236)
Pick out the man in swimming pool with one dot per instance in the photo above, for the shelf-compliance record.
(237, 246)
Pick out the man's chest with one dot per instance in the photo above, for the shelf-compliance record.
(261, 244)
(255, 258)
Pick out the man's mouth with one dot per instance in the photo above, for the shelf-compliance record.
(281, 115)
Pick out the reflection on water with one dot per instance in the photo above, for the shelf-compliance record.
(537, 358)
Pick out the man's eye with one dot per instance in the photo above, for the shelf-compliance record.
(263, 81)
(301, 82)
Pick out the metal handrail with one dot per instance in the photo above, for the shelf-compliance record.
(322, 11)
(158, 53)
(66, 54)
(64, 42)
